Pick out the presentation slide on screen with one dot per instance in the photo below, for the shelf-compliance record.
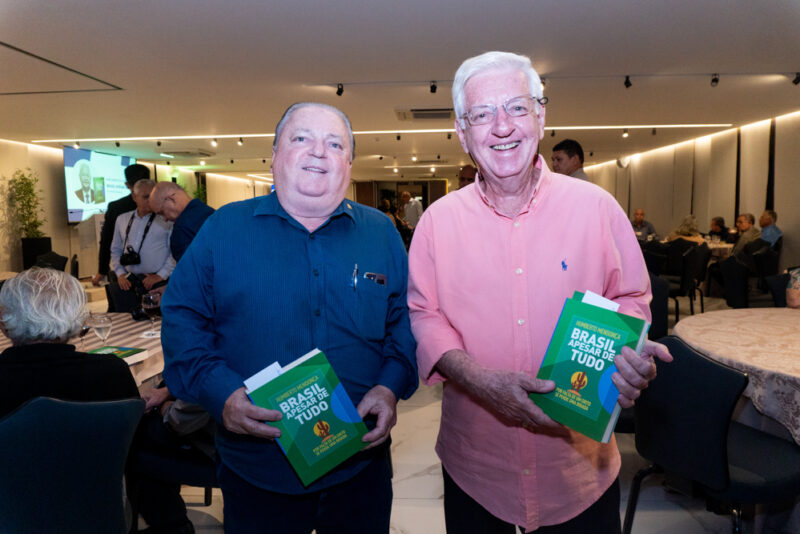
(92, 181)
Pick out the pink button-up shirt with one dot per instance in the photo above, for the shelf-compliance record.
(494, 287)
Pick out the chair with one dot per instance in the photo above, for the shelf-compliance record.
(777, 286)
(766, 261)
(73, 266)
(684, 427)
(62, 465)
(682, 285)
(700, 260)
(51, 260)
(659, 307)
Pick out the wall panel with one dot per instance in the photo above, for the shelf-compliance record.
(754, 167)
(787, 186)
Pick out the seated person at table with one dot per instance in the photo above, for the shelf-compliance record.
(769, 230)
(718, 229)
(747, 233)
(687, 230)
(643, 229)
(40, 310)
(793, 289)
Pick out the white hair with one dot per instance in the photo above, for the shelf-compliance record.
(141, 184)
(299, 105)
(493, 60)
(42, 305)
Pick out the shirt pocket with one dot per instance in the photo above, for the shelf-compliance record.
(368, 312)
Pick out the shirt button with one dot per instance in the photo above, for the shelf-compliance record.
(317, 312)
(316, 272)
(312, 236)
(518, 271)
(516, 224)
(527, 471)
(520, 322)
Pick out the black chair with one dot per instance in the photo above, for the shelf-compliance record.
(766, 261)
(659, 307)
(51, 260)
(683, 285)
(700, 258)
(62, 464)
(683, 426)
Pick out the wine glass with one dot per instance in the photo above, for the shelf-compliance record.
(101, 326)
(150, 304)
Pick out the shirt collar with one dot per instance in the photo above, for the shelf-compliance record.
(544, 177)
(269, 205)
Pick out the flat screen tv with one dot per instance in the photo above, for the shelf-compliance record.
(92, 180)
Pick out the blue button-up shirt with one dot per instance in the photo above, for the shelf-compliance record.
(256, 287)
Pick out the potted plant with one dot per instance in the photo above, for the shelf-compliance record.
(27, 214)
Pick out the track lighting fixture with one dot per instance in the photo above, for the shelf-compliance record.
(628, 82)
(433, 87)
(552, 133)
(625, 133)
(438, 156)
(653, 132)
(240, 142)
(231, 162)
(213, 142)
(450, 136)
(76, 144)
(264, 160)
(796, 80)
(398, 137)
(158, 143)
(591, 154)
(339, 89)
(116, 143)
(168, 163)
(714, 80)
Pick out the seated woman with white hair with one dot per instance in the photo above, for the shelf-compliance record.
(40, 310)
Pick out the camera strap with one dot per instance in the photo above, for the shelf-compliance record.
(144, 235)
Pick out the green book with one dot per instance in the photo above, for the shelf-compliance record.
(320, 427)
(131, 355)
(580, 360)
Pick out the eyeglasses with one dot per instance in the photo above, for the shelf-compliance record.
(518, 106)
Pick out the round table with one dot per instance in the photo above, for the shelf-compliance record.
(762, 342)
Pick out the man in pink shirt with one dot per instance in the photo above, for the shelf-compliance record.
(485, 330)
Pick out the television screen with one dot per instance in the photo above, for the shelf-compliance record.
(92, 181)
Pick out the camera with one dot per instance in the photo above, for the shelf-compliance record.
(131, 257)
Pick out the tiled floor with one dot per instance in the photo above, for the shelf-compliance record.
(418, 483)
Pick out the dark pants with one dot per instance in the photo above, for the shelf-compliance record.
(463, 514)
(361, 505)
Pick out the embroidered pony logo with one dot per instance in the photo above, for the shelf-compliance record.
(564, 264)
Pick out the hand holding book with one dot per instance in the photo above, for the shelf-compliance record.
(635, 371)
(243, 417)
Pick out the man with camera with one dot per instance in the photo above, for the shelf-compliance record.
(140, 255)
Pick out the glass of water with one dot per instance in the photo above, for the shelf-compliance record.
(101, 326)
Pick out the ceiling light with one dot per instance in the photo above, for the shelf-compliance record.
(202, 162)
(165, 155)
(714, 80)
(413, 158)
(76, 144)
(433, 169)
(796, 80)
(433, 87)
(625, 133)
(213, 142)
(628, 82)
(395, 170)
(240, 142)
(339, 89)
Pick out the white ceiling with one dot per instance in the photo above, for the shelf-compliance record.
(210, 68)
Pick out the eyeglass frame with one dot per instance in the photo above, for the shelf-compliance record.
(540, 101)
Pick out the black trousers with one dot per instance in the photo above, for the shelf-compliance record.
(463, 514)
(361, 505)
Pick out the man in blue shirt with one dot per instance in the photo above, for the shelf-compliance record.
(187, 214)
(769, 230)
(269, 279)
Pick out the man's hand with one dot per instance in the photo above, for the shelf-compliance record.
(155, 398)
(381, 402)
(123, 282)
(243, 417)
(97, 278)
(635, 372)
(505, 393)
(150, 280)
(159, 290)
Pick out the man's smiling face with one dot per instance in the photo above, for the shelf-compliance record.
(311, 162)
(506, 147)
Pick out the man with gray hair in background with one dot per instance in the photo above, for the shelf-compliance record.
(267, 280)
(484, 332)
